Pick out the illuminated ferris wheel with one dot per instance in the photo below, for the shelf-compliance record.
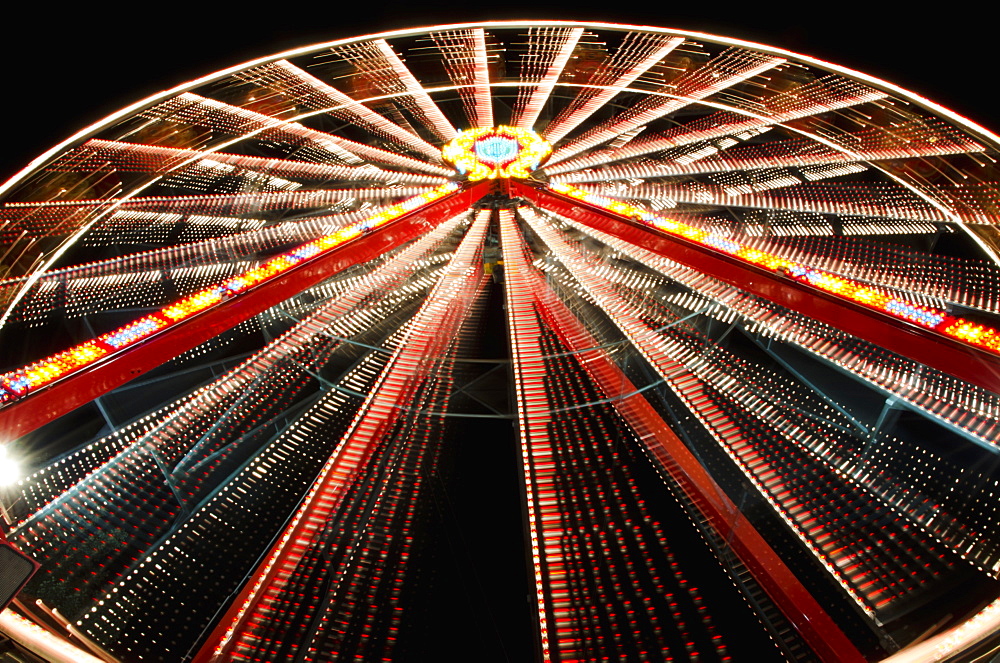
(344, 353)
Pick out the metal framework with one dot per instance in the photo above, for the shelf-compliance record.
(749, 307)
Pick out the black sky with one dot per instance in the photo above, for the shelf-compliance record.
(65, 69)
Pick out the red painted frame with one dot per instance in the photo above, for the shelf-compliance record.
(945, 354)
(799, 606)
(76, 389)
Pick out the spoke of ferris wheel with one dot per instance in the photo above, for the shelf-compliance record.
(548, 450)
(432, 330)
(922, 141)
(97, 155)
(213, 258)
(195, 169)
(230, 204)
(340, 315)
(821, 96)
(876, 201)
(947, 353)
(235, 239)
(438, 122)
(534, 414)
(299, 86)
(745, 182)
(378, 62)
(634, 58)
(194, 110)
(465, 57)
(549, 49)
(875, 589)
(69, 379)
(730, 68)
(802, 610)
(809, 167)
(972, 411)
(221, 209)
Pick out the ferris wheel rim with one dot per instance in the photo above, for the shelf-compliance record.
(936, 111)
(92, 129)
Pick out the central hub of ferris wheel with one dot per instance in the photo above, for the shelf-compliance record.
(496, 153)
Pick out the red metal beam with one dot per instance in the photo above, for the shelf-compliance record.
(945, 354)
(78, 388)
(801, 609)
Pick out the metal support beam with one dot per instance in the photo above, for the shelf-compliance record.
(800, 608)
(75, 389)
(945, 354)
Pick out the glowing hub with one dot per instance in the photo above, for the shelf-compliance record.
(497, 152)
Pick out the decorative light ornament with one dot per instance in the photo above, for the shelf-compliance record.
(497, 152)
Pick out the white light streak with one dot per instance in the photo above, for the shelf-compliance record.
(466, 59)
(726, 70)
(557, 46)
(304, 88)
(616, 75)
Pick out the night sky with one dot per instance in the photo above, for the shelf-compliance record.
(65, 69)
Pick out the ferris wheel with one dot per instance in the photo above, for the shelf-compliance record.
(344, 353)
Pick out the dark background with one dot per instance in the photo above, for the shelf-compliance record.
(64, 69)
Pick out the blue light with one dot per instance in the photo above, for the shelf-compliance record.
(15, 383)
(306, 251)
(496, 149)
(131, 333)
(722, 243)
(910, 312)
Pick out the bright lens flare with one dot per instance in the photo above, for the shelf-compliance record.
(10, 469)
